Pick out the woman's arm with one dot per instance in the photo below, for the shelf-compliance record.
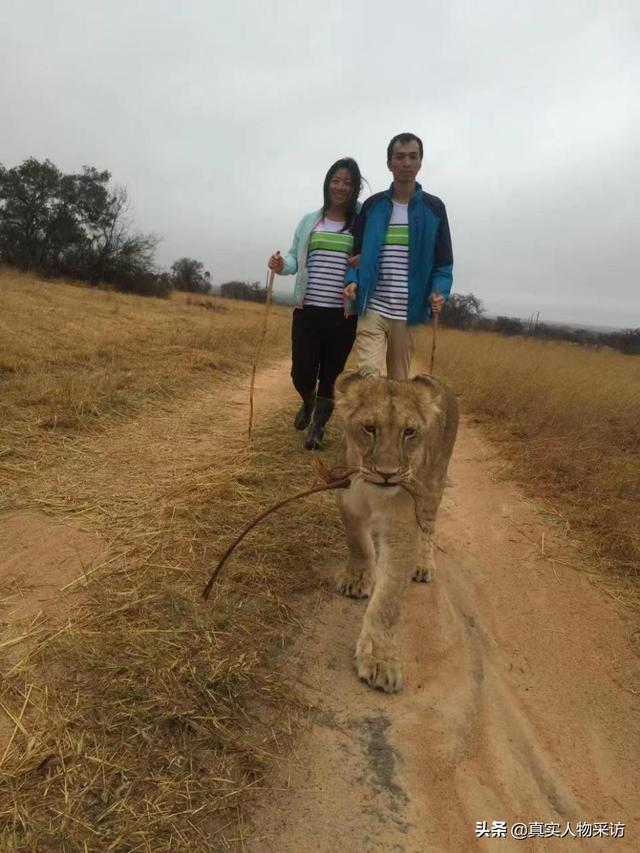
(288, 264)
(290, 260)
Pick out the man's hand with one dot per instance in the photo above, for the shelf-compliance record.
(350, 290)
(437, 302)
(354, 261)
(276, 262)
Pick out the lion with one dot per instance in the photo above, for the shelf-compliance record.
(399, 436)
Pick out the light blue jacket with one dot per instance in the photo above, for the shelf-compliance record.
(295, 261)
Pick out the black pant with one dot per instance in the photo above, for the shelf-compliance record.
(321, 340)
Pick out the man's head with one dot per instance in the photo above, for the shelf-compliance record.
(404, 157)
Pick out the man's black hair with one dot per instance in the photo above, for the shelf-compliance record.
(352, 167)
(403, 137)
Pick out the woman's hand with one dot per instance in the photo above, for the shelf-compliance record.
(351, 290)
(275, 262)
(354, 261)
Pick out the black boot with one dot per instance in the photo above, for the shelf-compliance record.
(321, 414)
(303, 415)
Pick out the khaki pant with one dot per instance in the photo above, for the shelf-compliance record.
(378, 337)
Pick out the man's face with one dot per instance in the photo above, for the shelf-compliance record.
(405, 161)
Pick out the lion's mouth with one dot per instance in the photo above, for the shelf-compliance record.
(391, 481)
(374, 478)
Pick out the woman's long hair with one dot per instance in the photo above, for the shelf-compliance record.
(352, 167)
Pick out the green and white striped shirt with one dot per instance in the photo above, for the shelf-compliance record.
(329, 250)
(392, 290)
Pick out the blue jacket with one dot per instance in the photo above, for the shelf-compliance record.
(430, 252)
(295, 261)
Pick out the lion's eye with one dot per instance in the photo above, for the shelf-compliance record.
(369, 429)
(409, 432)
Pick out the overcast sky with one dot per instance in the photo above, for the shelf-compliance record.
(221, 120)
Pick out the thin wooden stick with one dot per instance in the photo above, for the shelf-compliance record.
(343, 483)
(434, 331)
(256, 358)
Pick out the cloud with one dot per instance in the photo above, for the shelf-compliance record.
(222, 119)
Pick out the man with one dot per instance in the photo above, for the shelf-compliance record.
(405, 264)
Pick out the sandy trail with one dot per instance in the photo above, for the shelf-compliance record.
(518, 703)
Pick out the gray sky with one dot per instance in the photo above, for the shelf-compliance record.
(222, 118)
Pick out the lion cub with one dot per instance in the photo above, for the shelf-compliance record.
(400, 436)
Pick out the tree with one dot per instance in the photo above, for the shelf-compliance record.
(462, 311)
(244, 290)
(31, 209)
(71, 225)
(508, 325)
(627, 341)
(189, 274)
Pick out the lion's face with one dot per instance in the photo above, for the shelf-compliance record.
(386, 425)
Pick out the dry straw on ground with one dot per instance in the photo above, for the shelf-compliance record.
(143, 718)
(150, 716)
(568, 418)
(71, 356)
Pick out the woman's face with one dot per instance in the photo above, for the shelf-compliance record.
(340, 188)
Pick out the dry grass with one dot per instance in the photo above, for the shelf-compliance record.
(150, 715)
(69, 355)
(569, 420)
(74, 360)
(144, 718)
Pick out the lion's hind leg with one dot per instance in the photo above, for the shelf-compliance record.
(356, 578)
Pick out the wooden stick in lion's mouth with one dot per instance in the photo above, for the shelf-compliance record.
(343, 483)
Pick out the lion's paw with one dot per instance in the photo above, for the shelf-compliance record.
(424, 574)
(354, 587)
(381, 674)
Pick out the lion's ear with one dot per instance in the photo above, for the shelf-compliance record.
(430, 388)
(348, 380)
(429, 381)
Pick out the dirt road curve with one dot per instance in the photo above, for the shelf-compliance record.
(517, 706)
(519, 703)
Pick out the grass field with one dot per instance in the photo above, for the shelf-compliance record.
(143, 720)
(71, 356)
(568, 418)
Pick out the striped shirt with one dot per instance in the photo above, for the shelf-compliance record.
(391, 294)
(329, 251)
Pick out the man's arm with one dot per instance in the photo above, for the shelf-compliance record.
(441, 277)
(352, 275)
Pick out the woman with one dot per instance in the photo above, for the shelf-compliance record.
(323, 330)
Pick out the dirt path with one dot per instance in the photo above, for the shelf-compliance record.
(518, 704)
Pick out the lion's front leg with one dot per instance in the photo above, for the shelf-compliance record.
(377, 658)
(427, 510)
(356, 578)
(425, 569)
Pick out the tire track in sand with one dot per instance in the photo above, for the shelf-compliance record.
(514, 708)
